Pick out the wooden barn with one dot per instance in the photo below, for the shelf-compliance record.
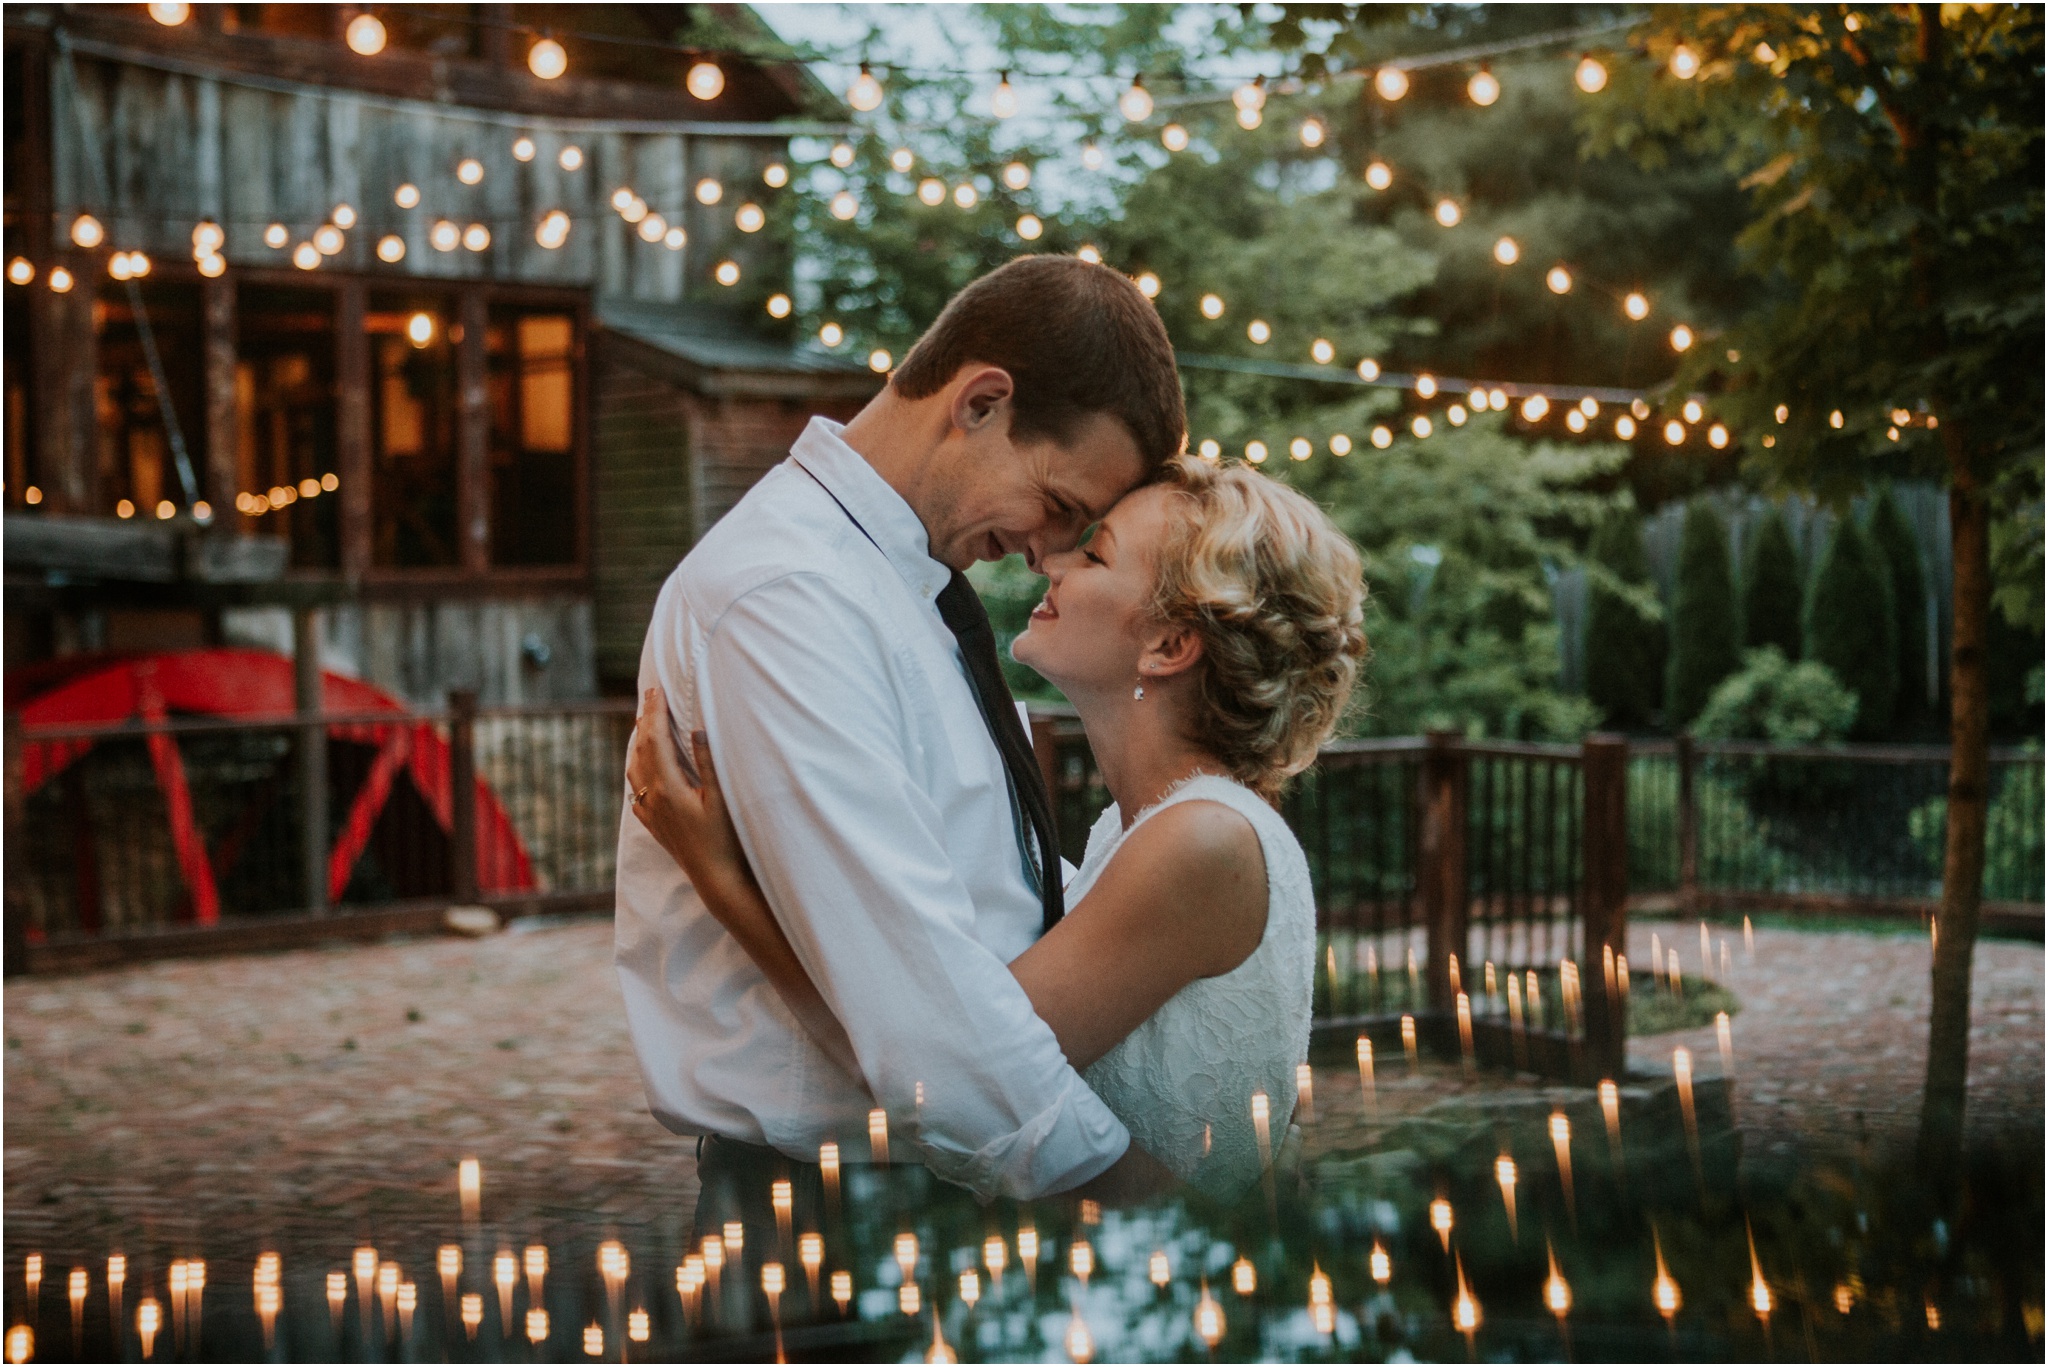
(360, 311)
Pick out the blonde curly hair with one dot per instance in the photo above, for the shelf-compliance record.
(1276, 594)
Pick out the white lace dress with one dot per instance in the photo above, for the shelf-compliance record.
(1183, 1082)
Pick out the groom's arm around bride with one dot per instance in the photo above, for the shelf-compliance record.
(804, 634)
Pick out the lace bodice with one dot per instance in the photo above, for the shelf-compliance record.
(1183, 1082)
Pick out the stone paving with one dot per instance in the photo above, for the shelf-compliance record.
(327, 1094)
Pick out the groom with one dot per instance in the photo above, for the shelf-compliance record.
(873, 762)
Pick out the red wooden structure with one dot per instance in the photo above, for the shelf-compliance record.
(257, 684)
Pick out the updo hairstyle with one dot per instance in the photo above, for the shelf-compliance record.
(1276, 594)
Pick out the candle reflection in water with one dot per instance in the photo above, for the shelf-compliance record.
(1322, 1311)
(1504, 1174)
(337, 1297)
(472, 1314)
(1465, 1032)
(1408, 1044)
(1561, 1142)
(1465, 1310)
(1380, 1264)
(810, 1251)
(1440, 1220)
(505, 1272)
(1365, 1079)
(149, 1320)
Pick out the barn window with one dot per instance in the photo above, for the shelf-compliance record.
(413, 497)
(136, 456)
(531, 356)
(285, 419)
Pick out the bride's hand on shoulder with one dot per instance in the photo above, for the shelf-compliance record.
(687, 818)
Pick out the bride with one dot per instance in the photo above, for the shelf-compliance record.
(1208, 635)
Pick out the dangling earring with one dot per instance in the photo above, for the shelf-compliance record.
(1138, 693)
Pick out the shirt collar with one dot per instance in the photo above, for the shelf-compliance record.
(875, 507)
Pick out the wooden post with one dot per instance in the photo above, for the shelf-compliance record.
(473, 435)
(218, 360)
(1045, 746)
(1604, 890)
(1442, 872)
(462, 794)
(352, 426)
(1688, 828)
(307, 694)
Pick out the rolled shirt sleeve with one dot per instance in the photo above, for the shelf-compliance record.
(805, 702)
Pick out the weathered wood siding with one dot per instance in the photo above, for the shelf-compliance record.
(644, 504)
(151, 153)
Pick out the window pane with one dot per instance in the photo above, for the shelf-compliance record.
(135, 452)
(534, 504)
(285, 452)
(412, 431)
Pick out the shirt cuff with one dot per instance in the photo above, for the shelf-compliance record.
(1070, 1142)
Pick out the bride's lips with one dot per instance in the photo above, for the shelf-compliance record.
(1045, 611)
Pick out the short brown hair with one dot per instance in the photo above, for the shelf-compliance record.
(1276, 594)
(1077, 338)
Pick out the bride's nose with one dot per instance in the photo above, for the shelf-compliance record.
(1055, 566)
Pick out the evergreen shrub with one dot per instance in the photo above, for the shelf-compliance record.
(1624, 645)
(1771, 596)
(1851, 626)
(1705, 647)
(1900, 551)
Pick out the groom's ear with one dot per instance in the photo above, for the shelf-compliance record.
(981, 397)
(1170, 650)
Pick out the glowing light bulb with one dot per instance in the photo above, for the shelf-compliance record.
(1448, 213)
(1559, 280)
(1244, 1278)
(1425, 386)
(1379, 175)
(1212, 306)
(1590, 75)
(570, 158)
(1030, 227)
(1091, 157)
(523, 149)
(1636, 306)
(419, 329)
(1174, 138)
(1681, 337)
(547, 59)
(844, 206)
(704, 80)
(1321, 351)
(1148, 285)
(1484, 87)
(1210, 450)
(709, 191)
(775, 175)
(1135, 104)
(365, 35)
(652, 227)
(87, 231)
(1391, 82)
(1457, 414)
(865, 94)
(1575, 420)
(1422, 427)
(1003, 102)
(1507, 251)
(1685, 63)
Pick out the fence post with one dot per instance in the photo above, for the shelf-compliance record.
(14, 954)
(1604, 858)
(1688, 829)
(462, 794)
(1442, 874)
(307, 697)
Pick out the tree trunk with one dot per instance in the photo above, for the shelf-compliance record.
(1962, 880)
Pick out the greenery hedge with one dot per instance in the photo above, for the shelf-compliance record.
(1705, 645)
(1624, 647)
(1852, 626)
(1900, 551)
(1771, 596)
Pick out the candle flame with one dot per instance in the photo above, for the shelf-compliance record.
(970, 1288)
(1504, 1174)
(1160, 1268)
(1244, 1278)
(1440, 1220)
(1465, 1310)
(842, 1289)
(1465, 1031)
(1726, 1036)
(1665, 1289)
(1305, 1091)
(1759, 1289)
(1557, 1292)
(1081, 1258)
(878, 1135)
(1209, 1322)
(1381, 1265)
(1408, 1043)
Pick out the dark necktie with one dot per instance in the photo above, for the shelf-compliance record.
(961, 610)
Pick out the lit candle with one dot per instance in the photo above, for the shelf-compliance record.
(1664, 1291)
(1160, 1268)
(1465, 1310)
(504, 1272)
(472, 1314)
(1408, 1044)
(1381, 1265)
(1262, 1125)
(1365, 1079)
(906, 1254)
(1305, 1091)
(810, 1252)
(1465, 1031)
(1610, 1108)
(1209, 1322)
(1081, 1258)
(1726, 1036)
(1440, 1221)
(970, 1288)
(470, 1181)
(842, 1289)
(337, 1296)
(1561, 1141)
(149, 1319)
(1322, 1312)
(1759, 1289)
(1244, 1278)
(878, 1135)
(994, 1255)
(1504, 1174)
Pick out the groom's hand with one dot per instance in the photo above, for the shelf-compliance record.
(1135, 1177)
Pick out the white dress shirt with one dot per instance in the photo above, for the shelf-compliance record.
(875, 810)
